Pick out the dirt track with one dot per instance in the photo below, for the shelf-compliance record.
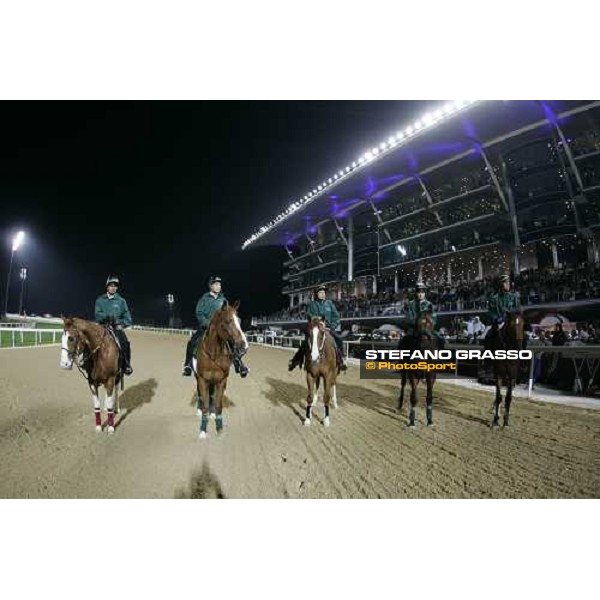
(49, 447)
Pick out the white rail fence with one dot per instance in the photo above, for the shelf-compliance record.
(19, 337)
(163, 330)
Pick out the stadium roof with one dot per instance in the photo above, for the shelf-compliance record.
(441, 136)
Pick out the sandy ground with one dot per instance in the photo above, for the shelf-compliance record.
(49, 447)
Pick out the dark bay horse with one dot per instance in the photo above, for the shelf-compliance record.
(320, 363)
(422, 340)
(101, 363)
(506, 371)
(213, 361)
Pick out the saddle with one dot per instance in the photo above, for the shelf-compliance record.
(113, 334)
(121, 360)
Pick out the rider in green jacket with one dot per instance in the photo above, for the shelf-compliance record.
(112, 309)
(502, 303)
(418, 305)
(325, 309)
(207, 305)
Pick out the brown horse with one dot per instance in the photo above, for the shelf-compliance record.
(94, 351)
(506, 371)
(213, 361)
(422, 340)
(320, 363)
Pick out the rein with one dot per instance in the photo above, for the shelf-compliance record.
(213, 359)
(319, 348)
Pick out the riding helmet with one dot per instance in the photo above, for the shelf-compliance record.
(112, 279)
(214, 279)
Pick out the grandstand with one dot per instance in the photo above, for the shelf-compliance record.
(469, 190)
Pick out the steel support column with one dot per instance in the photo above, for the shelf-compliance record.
(429, 200)
(350, 244)
(513, 220)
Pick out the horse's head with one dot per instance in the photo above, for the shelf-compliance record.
(424, 322)
(514, 327)
(71, 344)
(316, 337)
(228, 327)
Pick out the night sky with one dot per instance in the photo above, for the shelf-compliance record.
(164, 193)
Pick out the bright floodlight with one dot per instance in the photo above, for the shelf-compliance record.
(18, 240)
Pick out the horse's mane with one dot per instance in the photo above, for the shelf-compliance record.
(89, 329)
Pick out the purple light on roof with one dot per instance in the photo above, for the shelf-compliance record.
(412, 161)
(548, 112)
(469, 128)
(371, 187)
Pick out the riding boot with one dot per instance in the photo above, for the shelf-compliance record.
(339, 352)
(187, 365)
(125, 355)
(189, 353)
(339, 359)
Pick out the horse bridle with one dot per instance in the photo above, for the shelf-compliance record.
(423, 315)
(73, 354)
(228, 343)
(320, 348)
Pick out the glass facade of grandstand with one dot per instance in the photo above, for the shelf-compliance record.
(528, 203)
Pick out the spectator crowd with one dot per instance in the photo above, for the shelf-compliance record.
(534, 287)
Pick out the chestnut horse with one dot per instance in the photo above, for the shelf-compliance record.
(510, 337)
(422, 340)
(213, 361)
(320, 363)
(95, 353)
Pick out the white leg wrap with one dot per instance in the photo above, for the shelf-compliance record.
(96, 401)
(110, 402)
